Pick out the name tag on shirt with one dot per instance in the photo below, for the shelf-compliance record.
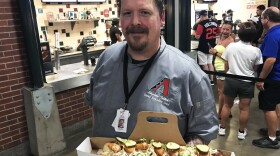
(121, 120)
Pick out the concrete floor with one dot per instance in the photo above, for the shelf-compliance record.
(228, 142)
(244, 147)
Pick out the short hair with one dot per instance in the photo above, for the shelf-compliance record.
(203, 13)
(261, 7)
(272, 15)
(115, 22)
(158, 3)
(247, 32)
(160, 6)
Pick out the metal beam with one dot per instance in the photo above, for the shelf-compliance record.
(184, 25)
(32, 42)
(169, 34)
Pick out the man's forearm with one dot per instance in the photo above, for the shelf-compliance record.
(267, 67)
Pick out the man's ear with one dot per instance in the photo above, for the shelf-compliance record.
(163, 18)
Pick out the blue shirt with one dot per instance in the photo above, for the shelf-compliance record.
(271, 48)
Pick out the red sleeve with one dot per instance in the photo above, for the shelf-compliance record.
(199, 29)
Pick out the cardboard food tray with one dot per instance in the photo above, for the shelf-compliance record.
(163, 132)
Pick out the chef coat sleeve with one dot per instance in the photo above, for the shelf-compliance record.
(203, 118)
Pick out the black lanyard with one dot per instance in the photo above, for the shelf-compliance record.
(139, 79)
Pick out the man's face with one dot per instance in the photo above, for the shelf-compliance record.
(259, 12)
(264, 22)
(141, 23)
(204, 17)
(226, 30)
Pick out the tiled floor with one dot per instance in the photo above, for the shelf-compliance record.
(228, 142)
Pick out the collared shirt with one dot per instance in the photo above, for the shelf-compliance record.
(242, 57)
(271, 48)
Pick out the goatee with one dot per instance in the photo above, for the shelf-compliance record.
(137, 47)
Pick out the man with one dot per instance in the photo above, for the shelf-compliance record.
(224, 15)
(194, 28)
(206, 32)
(229, 17)
(121, 123)
(258, 24)
(269, 95)
(115, 33)
(143, 73)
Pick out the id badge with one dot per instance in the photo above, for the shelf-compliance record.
(121, 120)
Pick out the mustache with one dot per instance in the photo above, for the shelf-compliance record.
(137, 29)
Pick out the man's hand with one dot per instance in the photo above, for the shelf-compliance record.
(197, 36)
(260, 40)
(212, 51)
(260, 85)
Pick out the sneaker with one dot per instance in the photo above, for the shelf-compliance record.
(266, 143)
(263, 131)
(242, 136)
(222, 131)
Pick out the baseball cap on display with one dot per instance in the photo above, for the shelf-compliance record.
(203, 13)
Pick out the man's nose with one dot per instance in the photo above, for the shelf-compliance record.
(136, 19)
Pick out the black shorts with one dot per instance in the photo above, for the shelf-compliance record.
(235, 87)
(269, 97)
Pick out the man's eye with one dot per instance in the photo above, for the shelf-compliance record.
(145, 13)
(126, 13)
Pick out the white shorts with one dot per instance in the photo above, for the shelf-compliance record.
(220, 77)
(204, 59)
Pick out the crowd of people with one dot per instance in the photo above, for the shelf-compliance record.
(255, 54)
(144, 73)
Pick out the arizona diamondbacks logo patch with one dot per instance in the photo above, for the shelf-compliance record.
(160, 92)
(162, 87)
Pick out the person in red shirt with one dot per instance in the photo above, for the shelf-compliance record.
(206, 33)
